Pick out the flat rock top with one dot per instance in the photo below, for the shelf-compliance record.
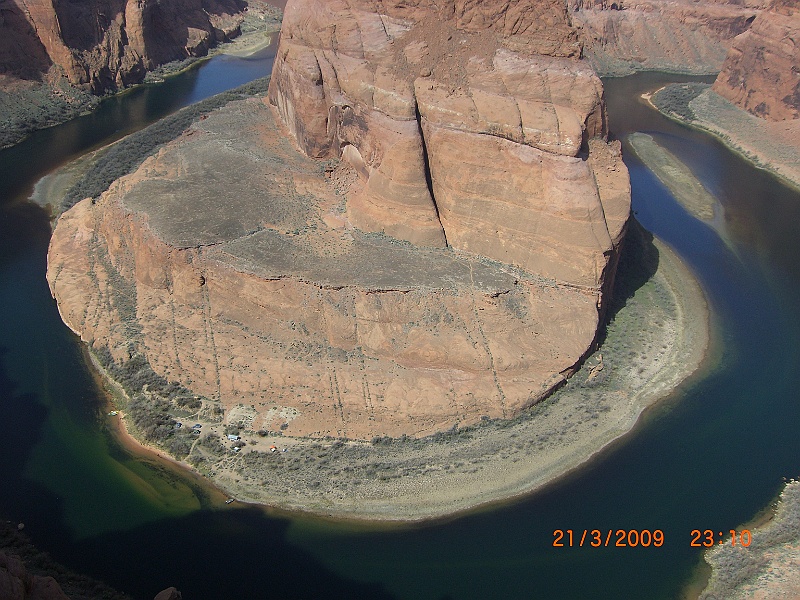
(264, 208)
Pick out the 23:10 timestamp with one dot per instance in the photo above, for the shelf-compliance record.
(709, 537)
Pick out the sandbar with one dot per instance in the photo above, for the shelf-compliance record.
(674, 174)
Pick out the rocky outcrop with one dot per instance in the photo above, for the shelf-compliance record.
(17, 584)
(464, 123)
(431, 244)
(102, 45)
(762, 70)
(659, 35)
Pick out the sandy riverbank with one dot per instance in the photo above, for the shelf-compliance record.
(135, 445)
(657, 340)
(772, 146)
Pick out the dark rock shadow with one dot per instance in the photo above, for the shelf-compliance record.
(22, 54)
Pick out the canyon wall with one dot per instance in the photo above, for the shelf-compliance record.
(418, 228)
(465, 123)
(16, 583)
(102, 45)
(762, 70)
(658, 35)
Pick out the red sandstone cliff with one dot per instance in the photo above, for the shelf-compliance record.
(762, 70)
(102, 45)
(453, 265)
(465, 122)
(623, 36)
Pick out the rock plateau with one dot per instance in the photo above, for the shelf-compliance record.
(416, 229)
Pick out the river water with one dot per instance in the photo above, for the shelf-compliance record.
(708, 458)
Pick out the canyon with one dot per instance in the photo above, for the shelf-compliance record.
(58, 59)
(681, 36)
(106, 45)
(417, 229)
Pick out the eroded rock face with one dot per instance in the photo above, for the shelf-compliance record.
(621, 37)
(17, 584)
(762, 70)
(436, 251)
(107, 44)
(465, 129)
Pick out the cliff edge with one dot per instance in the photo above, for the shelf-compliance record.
(416, 229)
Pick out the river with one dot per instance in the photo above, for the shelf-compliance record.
(708, 458)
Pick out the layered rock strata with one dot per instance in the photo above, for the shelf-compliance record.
(102, 45)
(762, 70)
(431, 243)
(678, 36)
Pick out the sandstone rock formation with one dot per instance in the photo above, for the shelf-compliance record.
(679, 36)
(438, 250)
(17, 584)
(105, 45)
(762, 70)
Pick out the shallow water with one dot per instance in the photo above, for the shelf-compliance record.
(709, 458)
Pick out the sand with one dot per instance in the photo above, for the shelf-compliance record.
(674, 174)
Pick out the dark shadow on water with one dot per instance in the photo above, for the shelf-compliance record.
(243, 552)
(638, 262)
(20, 428)
(245, 555)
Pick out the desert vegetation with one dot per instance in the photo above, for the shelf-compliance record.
(674, 99)
(126, 155)
(153, 404)
(31, 106)
(768, 563)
